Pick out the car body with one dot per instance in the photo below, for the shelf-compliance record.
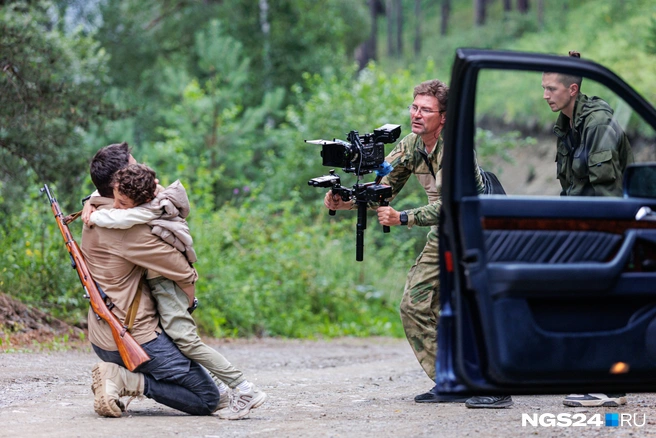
(542, 293)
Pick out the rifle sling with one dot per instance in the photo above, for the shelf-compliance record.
(132, 311)
(71, 217)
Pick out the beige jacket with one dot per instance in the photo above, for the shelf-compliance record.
(118, 259)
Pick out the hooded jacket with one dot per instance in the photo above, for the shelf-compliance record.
(591, 155)
(166, 215)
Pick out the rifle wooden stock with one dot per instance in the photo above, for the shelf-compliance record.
(131, 352)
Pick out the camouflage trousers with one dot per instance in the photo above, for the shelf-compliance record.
(420, 305)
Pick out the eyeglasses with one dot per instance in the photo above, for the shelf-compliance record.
(425, 112)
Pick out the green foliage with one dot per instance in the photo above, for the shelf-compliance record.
(273, 270)
(50, 90)
(650, 41)
(265, 270)
(35, 265)
(336, 104)
(277, 270)
(212, 96)
(211, 139)
(302, 36)
(609, 32)
(492, 148)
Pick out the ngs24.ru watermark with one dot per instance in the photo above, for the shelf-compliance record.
(610, 419)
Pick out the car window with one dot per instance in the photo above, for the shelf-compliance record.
(515, 136)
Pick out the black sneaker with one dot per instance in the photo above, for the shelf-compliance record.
(489, 402)
(433, 396)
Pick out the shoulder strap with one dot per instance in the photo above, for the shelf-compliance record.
(424, 155)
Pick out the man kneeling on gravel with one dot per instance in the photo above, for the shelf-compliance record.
(118, 259)
(138, 199)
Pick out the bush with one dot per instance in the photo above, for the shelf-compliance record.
(279, 270)
(35, 265)
(275, 270)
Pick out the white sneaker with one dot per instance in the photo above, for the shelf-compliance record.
(224, 401)
(224, 394)
(595, 400)
(241, 403)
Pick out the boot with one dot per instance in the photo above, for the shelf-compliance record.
(133, 383)
(134, 386)
(110, 382)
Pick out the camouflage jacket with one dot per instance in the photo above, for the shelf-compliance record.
(591, 157)
(406, 159)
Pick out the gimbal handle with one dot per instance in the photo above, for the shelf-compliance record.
(385, 203)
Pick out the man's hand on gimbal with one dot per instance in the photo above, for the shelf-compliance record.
(388, 216)
(335, 202)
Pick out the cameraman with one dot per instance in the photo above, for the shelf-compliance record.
(420, 153)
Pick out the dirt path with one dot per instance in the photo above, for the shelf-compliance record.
(340, 388)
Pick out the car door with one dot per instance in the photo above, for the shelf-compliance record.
(540, 293)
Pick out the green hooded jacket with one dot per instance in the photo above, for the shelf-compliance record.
(591, 157)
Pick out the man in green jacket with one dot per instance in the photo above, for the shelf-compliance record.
(420, 153)
(592, 148)
(592, 154)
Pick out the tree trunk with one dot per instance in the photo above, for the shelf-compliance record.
(367, 50)
(507, 5)
(373, 39)
(479, 12)
(446, 11)
(522, 6)
(418, 27)
(265, 27)
(399, 27)
(390, 13)
(541, 14)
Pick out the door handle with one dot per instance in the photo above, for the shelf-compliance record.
(645, 214)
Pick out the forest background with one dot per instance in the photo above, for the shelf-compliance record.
(221, 94)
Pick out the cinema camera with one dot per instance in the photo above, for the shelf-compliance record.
(361, 154)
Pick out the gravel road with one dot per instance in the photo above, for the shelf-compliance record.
(335, 388)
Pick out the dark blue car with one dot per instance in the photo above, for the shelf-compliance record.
(540, 292)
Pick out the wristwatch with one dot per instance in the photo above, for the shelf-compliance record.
(404, 218)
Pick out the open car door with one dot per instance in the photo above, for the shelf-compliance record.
(541, 293)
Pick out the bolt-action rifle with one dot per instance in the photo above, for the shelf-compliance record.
(131, 352)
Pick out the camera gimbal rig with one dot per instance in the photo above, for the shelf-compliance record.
(360, 155)
(362, 194)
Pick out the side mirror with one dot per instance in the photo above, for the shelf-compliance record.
(640, 180)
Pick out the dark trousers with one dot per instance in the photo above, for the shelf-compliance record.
(171, 379)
